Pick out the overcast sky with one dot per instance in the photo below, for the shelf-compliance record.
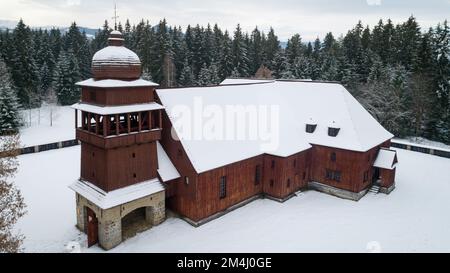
(310, 18)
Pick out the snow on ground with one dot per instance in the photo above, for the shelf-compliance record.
(414, 218)
(38, 131)
(424, 142)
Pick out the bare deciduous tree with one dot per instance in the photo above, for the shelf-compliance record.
(12, 205)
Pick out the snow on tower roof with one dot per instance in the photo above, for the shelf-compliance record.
(115, 55)
(116, 32)
(114, 110)
(297, 102)
(386, 159)
(110, 83)
(107, 200)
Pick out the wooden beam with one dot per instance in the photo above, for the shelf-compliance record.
(97, 121)
(76, 119)
(105, 125)
(140, 122)
(150, 120)
(89, 122)
(116, 119)
(129, 123)
(160, 119)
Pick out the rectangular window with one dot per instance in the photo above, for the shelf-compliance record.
(289, 183)
(337, 176)
(333, 175)
(186, 180)
(333, 157)
(258, 175)
(223, 187)
(273, 164)
(272, 183)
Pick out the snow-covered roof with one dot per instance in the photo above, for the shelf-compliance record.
(116, 83)
(115, 55)
(386, 159)
(116, 32)
(118, 197)
(297, 103)
(244, 81)
(167, 170)
(114, 110)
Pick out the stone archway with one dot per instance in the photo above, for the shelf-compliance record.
(137, 221)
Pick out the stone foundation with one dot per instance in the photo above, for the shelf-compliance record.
(337, 192)
(387, 190)
(110, 220)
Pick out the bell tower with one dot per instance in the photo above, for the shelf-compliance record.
(118, 124)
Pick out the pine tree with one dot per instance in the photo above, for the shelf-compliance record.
(187, 77)
(66, 77)
(204, 78)
(256, 51)
(294, 48)
(240, 57)
(9, 103)
(24, 72)
(271, 48)
(226, 57)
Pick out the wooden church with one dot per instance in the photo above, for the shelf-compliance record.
(136, 163)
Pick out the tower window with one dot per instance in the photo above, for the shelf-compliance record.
(93, 95)
(134, 175)
(272, 183)
(223, 187)
(289, 183)
(311, 128)
(333, 157)
(134, 155)
(273, 164)
(186, 180)
(333, 132)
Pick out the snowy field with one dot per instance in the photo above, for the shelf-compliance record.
(414, 218)
(37, 127)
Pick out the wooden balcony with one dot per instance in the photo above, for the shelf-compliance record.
(117, 141)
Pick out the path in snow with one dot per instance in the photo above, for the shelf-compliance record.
(414, 218)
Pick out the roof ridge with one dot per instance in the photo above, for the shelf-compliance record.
(345, 92)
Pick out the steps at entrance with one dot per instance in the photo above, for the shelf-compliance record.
(375, 189)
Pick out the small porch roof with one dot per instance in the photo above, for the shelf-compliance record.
(166, 170)
(386, 159)
(107, 200)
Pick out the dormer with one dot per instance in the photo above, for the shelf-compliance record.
(311, 126)
(333, 129)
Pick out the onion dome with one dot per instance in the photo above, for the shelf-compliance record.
(116, 61)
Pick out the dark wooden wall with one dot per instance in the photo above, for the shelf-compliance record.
(241, 185)
(387, 177)
(289, 175)
(352, 166)
(113, 169)
(117, 96)
(181, 196)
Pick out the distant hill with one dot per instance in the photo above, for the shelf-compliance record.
(8, 24)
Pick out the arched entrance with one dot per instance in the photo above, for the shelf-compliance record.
(136, 222)
(91, 227)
